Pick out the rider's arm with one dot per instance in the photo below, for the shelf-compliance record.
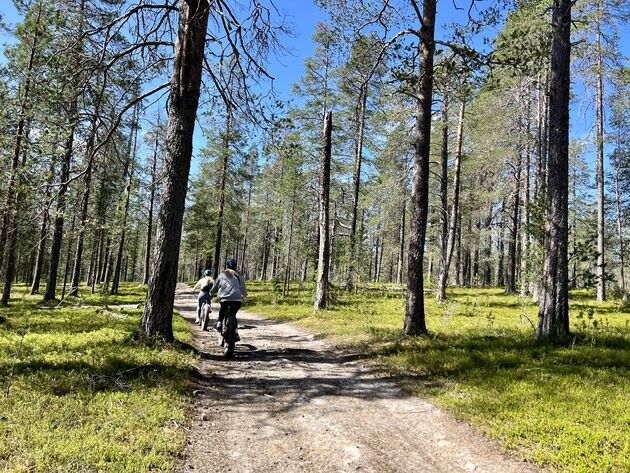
(197, 285)
(215, 286)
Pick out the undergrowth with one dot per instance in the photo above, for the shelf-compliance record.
(566, 406)
(80, 391)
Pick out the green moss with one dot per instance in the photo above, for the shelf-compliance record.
(561, 406)
(81, 392)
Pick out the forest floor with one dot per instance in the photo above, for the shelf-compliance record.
(290, 402)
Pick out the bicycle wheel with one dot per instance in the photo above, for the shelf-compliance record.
(229, 336)
(205, 315)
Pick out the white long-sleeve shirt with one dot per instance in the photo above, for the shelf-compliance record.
(203, 282)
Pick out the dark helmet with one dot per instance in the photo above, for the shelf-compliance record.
(230, 263)
(207, 272)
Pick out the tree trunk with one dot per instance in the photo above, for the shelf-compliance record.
(524, 276)
(356, 183)
(414, 315)
(443, 242)
(622, 278)
(9, 231)
(147, 254)
(450, 244)
(510, 286)
(401, 241)
(321, 295)
(599, 173)
(41, 248)
(222, 182)
(553, 316)
(55, 250)
(130, 164)
(157, 318)
(287, 262)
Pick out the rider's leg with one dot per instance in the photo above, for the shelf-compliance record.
(199, 304)
(234, 307)
(222, 311)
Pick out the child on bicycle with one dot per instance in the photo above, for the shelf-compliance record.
(204, 284)
(230, 289)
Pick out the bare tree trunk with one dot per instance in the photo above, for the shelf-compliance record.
(321, 295)
(510, 286)
(356, 182)
(9, 230)
(443, 242)
(553, 316)
(147, 255)
(67, 264)
(450, 244)
(599, 173)
(524, 276)
(401, 241)
(87, 184)
(222, 183)
(622, 279)
(41, 248)
(414, 314)
(287, 262)
(157, 318)
(131, 160)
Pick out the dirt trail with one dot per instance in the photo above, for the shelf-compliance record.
(291, 403)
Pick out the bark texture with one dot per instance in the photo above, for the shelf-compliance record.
(323, 263)
(414, 315)
(553, 316)
(157, 318)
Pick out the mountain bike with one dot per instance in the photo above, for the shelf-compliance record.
(228, 336)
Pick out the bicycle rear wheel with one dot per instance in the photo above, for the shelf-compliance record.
(229, 336)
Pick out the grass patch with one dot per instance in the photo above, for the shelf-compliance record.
(561, 406)
(79, 391)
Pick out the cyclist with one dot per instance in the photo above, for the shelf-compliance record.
(230, 288)
(204, 284)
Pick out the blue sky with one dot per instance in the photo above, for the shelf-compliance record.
(303, 17)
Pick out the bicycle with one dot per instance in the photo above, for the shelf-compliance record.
(228, 335)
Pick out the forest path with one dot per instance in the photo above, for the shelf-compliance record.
(290, 403)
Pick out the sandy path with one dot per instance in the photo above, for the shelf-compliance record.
(290, 403)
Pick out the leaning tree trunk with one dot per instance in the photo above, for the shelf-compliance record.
(323, 264)
(553, 316)
(157, 318)
(414, 315)
(599, 173)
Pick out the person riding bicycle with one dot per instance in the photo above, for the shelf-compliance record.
(230, 289)
(204, 284)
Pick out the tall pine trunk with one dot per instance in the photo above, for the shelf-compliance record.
(157, 318)
(599, 174)
(356, 182)
(553, 316)
(323, 263)
(149, 248)
(453, 223)
(414, 314)
(222, 183)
